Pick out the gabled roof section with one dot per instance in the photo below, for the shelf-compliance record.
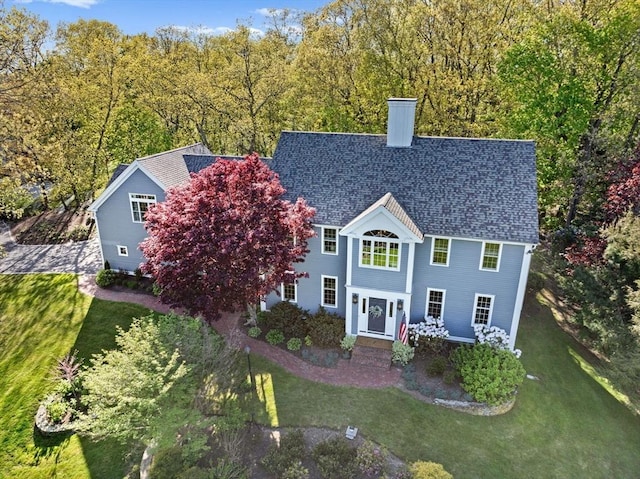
(166, 169)
(457, 187)
(169, 167)
(390, 205)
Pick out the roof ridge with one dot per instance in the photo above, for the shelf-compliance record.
(175, 150)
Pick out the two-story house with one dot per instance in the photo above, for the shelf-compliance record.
(405, 224)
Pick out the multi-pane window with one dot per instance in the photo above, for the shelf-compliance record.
(140, 205)
(490, 256)
(290, 292)
(381, 252)
(123, 251)
(329, 241)
(330, 291)
(440, 251)
(483, 309)
(435, 302)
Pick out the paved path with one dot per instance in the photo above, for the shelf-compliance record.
(345, 374)
(79, 257)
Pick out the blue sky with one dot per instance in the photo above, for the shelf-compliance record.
(138, 16)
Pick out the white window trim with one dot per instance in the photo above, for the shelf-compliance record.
(444, 297)
(149, 201)
(484, 245)
(322, 290)
(120, 248)
(380, 239)
(295, 292)
(475, 308)
(337, 230)
(433, 246)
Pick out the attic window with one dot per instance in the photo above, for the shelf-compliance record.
(139, 205)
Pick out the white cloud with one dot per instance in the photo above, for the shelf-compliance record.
(71, 3)
(213, 31)
(269, 12)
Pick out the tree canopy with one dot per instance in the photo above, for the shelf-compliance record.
(226, 238)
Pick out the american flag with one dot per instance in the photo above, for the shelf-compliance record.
(403, 336)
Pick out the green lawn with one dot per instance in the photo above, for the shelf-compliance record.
(43, 317)
(565, 425)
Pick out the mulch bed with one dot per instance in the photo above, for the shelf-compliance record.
(54, 227)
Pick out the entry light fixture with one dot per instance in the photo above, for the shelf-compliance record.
(400, 304)
(354, 298)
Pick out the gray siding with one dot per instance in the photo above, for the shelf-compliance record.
(317, 264)
(116, 224)
(462, 279)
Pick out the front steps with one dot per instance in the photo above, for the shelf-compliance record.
(374, 353)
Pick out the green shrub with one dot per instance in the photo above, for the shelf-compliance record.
(79, 233)
(294, 344)
(307, 341)
(401, 353)
(348, 342)
(57, 410)
(226, 469)
(167, 464)
(131, 284)
(106, 277)
(156, 289)
(489, 375)
(286, 317)
(336, 459)
(254, 331)
(296, 471)
(372, 459)
(449, 376)
(437, 366)
(290, 451)
(274, 337)
(326, 329)
(428, 470)
(138, 273)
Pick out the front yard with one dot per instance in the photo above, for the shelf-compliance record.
(565, 424)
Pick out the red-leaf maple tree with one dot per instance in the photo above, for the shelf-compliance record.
(225, 238)
(623, 194)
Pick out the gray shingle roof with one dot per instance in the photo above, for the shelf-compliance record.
(469, 188)
(169, 167)
(195, 163)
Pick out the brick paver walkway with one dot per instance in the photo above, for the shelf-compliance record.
(345, 374)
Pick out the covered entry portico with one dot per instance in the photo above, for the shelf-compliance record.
(376, 313)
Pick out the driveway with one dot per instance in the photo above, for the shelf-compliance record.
(79, 257)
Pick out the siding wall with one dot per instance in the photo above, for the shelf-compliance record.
(462, 279)
(317, 264)
(116, 223)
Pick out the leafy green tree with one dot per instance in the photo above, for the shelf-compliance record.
(128, 389)
(570, 84)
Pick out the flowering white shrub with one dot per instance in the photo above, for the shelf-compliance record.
(495, 337)
(430, 328)
(428, 334)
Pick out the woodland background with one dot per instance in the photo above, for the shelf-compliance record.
(78, 99)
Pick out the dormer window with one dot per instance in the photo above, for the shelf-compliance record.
(381, 251)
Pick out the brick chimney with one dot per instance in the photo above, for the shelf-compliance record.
(402, 115)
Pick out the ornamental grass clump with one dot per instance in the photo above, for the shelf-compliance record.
(428, 335)
(490, 375)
